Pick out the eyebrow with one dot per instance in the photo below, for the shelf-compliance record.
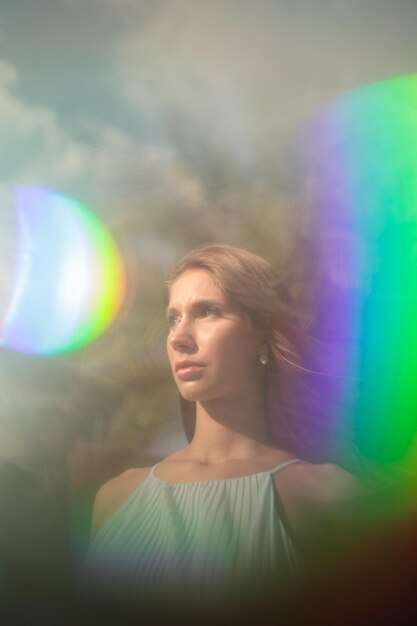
(197, 304)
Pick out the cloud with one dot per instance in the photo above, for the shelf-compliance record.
(238, 75)
(8, 74)
(230, 71)
(36, 148)
(220, 84)
(114, 173)
(191, 67)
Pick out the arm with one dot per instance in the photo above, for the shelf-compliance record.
(332, 505)
(321, 503)
(113, 494)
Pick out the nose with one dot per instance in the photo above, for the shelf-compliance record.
(181, 338)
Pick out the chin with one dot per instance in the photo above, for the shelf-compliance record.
(191, 397)
(187, 394)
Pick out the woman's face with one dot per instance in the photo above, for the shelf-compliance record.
(213, 348)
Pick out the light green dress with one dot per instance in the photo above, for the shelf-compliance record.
(207, 543)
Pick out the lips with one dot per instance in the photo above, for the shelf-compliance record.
(186, 370)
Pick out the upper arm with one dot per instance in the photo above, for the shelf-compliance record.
(103, 506)
(113, 494)
(328, 512)
(333, 486)
(318, 501)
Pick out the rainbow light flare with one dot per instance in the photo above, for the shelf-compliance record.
(69, 284)
(363, 154)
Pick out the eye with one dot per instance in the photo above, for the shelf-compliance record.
(173, 320)
(210, 311)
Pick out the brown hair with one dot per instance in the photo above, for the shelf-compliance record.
(249, 281)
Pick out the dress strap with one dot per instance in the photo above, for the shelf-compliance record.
(283, 465)
(153, 468)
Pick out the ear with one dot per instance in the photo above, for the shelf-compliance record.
(263, 353)
(263, 345)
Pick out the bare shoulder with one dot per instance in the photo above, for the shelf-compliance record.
(329, 483)
(320, 484)
(114, 493)
(312, 493)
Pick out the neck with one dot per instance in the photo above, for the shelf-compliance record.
(228, 429)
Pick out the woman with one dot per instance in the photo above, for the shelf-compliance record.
(217, 522)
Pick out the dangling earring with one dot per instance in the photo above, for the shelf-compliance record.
(263, 358)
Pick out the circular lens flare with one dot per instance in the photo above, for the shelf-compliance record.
(363, 149)
(69, 282)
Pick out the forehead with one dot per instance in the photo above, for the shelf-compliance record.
(195, 284)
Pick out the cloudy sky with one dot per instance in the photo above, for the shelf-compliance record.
(117, 102)
(101, 95)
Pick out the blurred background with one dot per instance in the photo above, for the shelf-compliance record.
(177, 123)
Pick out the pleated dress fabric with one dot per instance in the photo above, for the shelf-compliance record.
(203, 544)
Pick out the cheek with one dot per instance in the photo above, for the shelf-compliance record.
(170, 353)
(239, 353)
